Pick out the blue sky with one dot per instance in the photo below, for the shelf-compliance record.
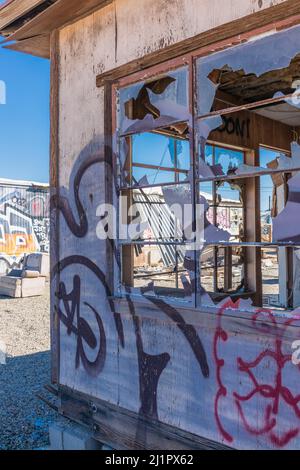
(24, 119)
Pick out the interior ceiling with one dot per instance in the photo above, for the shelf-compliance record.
(250, 88)
(282, 112)
(239, 88)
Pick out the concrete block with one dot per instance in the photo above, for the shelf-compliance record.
(76, 438)
(72, 437)
(56, 436)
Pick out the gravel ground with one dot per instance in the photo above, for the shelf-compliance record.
(24, 330)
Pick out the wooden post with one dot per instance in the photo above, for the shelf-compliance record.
(54, 191)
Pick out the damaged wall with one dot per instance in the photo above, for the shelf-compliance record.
(227, 374)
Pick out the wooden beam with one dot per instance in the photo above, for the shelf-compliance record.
(278, 17)
(14, 10)
(54, 191)
(38, 46)
(125, 430)
(57, 15)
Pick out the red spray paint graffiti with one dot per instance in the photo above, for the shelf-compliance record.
(277, 397)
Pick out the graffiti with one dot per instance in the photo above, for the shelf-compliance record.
(82, 330)
(150, 366)
(189, 332)
(86, 321)
(41, 229)
(61, 294)
(7, 263)
(24, 221)
(150, 370)
(16, 232)
(235, 126)
(38, 206)
(276, 396)
(61, 202)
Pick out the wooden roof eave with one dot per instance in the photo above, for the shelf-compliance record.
(39, 28)
(38, 46)
(14, 14)
(59, 14)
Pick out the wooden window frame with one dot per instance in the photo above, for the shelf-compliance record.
(227, 250)
(120, 80)
(134, 79)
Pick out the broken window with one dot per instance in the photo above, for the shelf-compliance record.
(223, 272)
(152, 158)
(262, 70)
(157, 269)
(248, 146)
(154, 179)
(230, 146)
(154, 103)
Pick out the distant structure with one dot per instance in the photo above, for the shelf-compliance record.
(24, 221)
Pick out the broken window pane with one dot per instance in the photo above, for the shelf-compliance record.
(273, 285)
(156, 269)
(157, 213)
(222, 271)
(281, 278)
(222, 160)
(224, 210)
(153, 158)
(286, 227)
(217, 143)
(251, 72)
(273, 191)
(268, 277)
(155, 103)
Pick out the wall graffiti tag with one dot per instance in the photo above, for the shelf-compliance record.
(225, 377)
(24, 220)
(150, 366)
(82, 330)
(271, 392)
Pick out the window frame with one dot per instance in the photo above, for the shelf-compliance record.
(190, 60)
(137, 78)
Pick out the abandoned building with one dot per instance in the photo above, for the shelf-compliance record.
(158, 341)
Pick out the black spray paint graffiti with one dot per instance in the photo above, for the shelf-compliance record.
(80, 230)
(236, 126)
(61, 202)
(150, 369)
(82, 331)
(150, 366)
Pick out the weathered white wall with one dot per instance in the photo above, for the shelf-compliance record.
(120, 33)
(124, 31)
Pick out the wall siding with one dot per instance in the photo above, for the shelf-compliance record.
(223, 376)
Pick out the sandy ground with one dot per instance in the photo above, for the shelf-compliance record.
(24, 333)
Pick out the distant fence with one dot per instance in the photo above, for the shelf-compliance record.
(24, 222)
